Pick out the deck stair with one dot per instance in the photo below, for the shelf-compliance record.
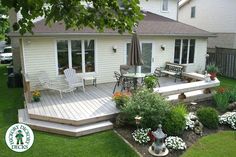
(64, 129)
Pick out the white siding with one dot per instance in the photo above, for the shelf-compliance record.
(155, 6)
(211, 15)
(39, 55)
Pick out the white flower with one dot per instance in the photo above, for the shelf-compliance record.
(176, 143)
(228, 118)
(141, 135)
(189, 121)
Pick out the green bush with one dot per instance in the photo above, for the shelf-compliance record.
(208, 117)
(150, 81)
(150, 106)
(181, 108)
(222, 100)
(174, 123)
(232, 95)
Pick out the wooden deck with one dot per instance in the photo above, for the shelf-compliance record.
(76, 109)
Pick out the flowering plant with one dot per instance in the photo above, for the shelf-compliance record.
(120, 98)
(141, 135)
(189, 121)
(36, 95)
(175, 142)
(228, 118)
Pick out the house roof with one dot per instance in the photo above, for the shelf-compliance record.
(152, 24)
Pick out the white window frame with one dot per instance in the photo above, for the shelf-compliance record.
(83, 55)
(181, 51)
(163, 6)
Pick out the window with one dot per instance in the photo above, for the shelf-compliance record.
(177, 51)
(184, 51)
(89, 55)
(165, 5)
(76, 54)
(62, 51)
(193, 12)
(76, 51)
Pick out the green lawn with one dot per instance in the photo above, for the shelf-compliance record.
(227, 82)
(46, 144)
(221, 144)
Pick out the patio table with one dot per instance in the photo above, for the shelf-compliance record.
(135, 77)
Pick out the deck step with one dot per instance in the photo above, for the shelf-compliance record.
(63, 129)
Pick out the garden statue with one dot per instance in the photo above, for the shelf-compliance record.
(158, 147)
(198, 128)
(207, 77)
(137, 120)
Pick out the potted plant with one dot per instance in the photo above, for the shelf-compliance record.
(212, 70)
(151, 82)
(36, 96)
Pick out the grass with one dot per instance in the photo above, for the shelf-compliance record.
(221, 144)
(227, 82)
(103, 144)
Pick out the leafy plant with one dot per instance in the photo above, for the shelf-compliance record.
(212, 68)
(141, 135)
(208, 117)
(120, 99)
(174, 123)
(151, 81)
(232, 95)
(181, 108)
(222, 100)
(152, 107)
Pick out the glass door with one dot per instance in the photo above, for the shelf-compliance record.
(147, 58)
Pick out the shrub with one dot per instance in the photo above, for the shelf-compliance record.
(150, 82)
(232, 95)
(222, 100)
(181, 108)
(208, 117)
(174, 123)
(150, 106)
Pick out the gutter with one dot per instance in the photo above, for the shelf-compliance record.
(107, 34)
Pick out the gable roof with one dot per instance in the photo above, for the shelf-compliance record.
(152, 24)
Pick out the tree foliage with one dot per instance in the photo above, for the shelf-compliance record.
(4, 24)
(120, 15)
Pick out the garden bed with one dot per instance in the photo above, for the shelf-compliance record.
(189, 138)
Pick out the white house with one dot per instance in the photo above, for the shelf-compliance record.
(52, 49)
(215, 16)
(166, 8)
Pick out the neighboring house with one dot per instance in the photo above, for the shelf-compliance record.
(217, 16)
(166, 8)
(52, 49)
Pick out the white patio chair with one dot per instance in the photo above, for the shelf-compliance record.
(73, 80)
(46, 83)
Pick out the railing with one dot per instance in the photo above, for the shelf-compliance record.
(26, 84)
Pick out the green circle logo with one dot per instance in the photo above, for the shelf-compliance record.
(19, 137)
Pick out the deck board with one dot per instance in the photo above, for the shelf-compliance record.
(95, 103)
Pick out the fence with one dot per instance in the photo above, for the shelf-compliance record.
(225, 60)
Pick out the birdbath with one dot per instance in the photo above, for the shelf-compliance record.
(158, 147)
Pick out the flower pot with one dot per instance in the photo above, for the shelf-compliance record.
(36, 99)
(213, 76)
